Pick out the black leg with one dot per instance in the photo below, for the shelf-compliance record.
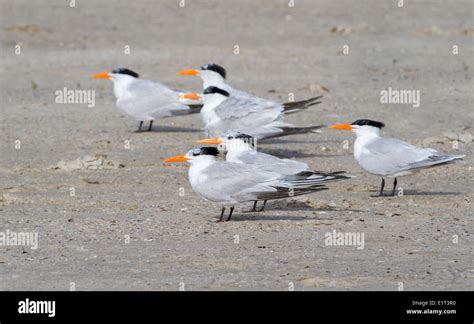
(254, 205)
(394, 186)
(221, 219)
(263, 206)
(140, 126)
(149, 127)
(381, 188)
(230, 214)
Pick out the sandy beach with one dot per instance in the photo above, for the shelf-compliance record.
(110, 215)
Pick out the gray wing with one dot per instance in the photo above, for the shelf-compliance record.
(272, 163)
(386, 156)
(247, 96)
(227, 181)
(236, 114)
(151, 100)
(238, 107)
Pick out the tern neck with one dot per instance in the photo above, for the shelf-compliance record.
(364, 132)
(198, 164)
(121, 85)
(211, 101)
(365, 135)
(235, 150)
(212, 79)
(202, 161)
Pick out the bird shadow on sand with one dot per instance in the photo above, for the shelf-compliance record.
(263, 216)
(430, 193)
(168, 129)
(286, 153)
(312, 209)
(245, 215)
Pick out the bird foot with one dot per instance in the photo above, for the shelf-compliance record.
(378, 196)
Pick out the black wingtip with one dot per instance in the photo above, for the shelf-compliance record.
(296, 130)
(295, 106)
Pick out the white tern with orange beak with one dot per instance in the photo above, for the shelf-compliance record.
(241, 149)
(145, 100)
(389, 157)
(229, 184)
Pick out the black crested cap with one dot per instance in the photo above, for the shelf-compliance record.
(125, 71)
(244, 137)
(212, 89)
(206, 150)
(368, 122)
(239, 135)
(214, 67)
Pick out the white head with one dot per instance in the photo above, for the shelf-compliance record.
(119, 74)
(234, 142)
(362, 127)
(211, 74)
(121, 78)
(197, 155)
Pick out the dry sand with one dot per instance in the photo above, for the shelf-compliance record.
(127, 227)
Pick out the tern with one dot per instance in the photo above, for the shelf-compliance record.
(214, 75)
(223, 113)
(389, 157)
(229, 183)
(241, 148)
(145, 100)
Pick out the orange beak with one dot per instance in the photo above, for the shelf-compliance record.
(104, 75)
(178, 158)
(215, 140)
(342, 126)
(192, 96)
(189, 72)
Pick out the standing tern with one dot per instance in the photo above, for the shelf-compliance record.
(241, 149)
(214, 75)
(389, 157)
(223, 113)
(145, 100)
(229, 183)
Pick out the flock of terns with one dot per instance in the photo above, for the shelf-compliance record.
(234, 120)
